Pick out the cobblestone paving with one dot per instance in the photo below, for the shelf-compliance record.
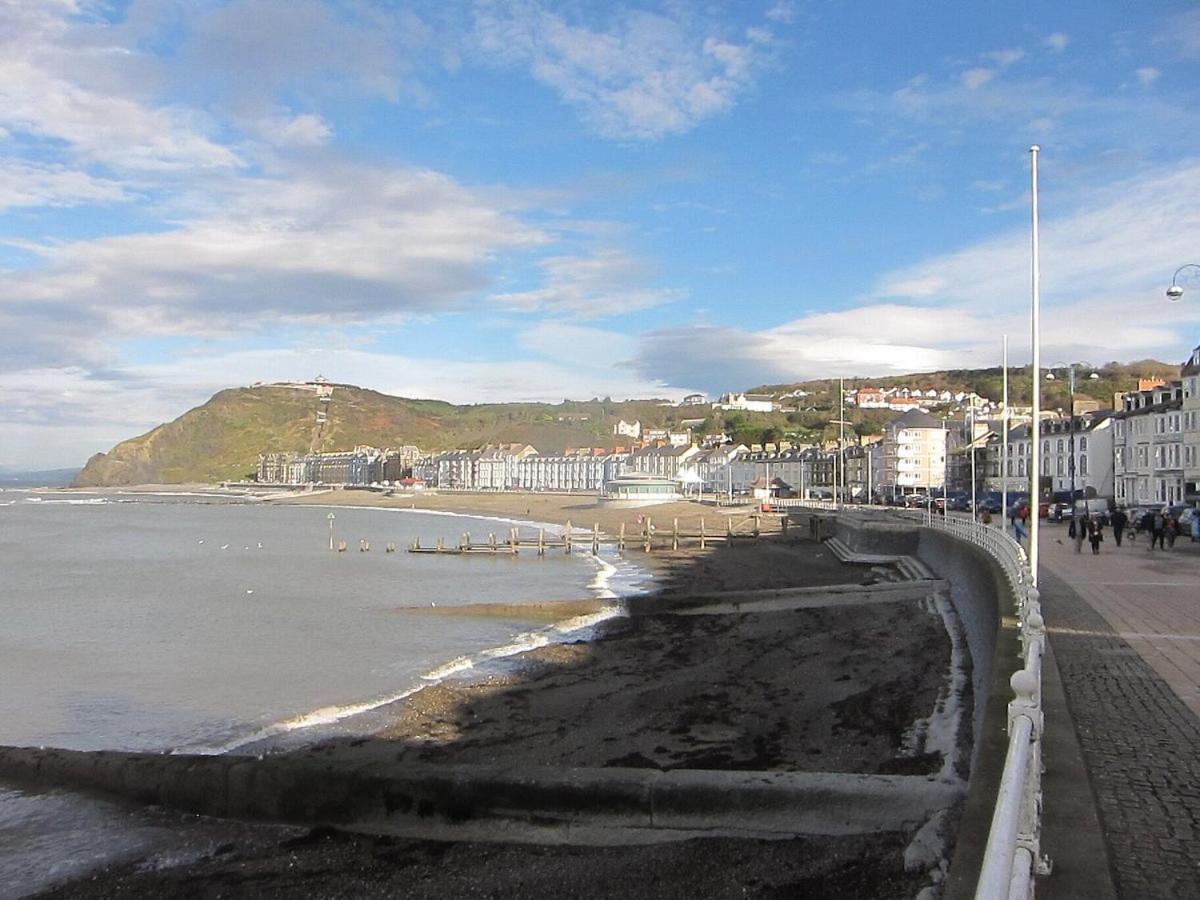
(1141, 745)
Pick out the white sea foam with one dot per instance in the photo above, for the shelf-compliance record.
(459, 664)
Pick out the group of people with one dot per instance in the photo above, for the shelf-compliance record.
(1091, 529)
(1161, 525)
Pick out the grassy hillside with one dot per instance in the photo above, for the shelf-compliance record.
(221, 440)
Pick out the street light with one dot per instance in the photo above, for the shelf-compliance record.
(330, 531)
(1175, 291)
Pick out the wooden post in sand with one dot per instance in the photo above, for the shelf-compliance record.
(567, 537)
(512, 539)
(541, 542)
(756, 525)
(467, 540)
(702, 532)
(649, 531)
(675, 534)
(783, 524)
(621, 539)
(596, 539)
(729, 532)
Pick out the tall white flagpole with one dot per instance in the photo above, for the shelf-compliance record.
(1004, 442)
(1036, 426)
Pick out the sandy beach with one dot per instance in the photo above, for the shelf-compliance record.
(819, 690)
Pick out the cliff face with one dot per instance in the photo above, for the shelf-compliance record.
(221, 440)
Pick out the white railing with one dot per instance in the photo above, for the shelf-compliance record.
(1012, 856)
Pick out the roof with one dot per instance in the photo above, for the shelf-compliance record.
(914, 418)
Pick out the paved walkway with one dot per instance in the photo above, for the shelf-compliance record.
(1124, 631)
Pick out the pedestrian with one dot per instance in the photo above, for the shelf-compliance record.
(1171, 525)
(985, 516)
(1095, 533)
(1196, 524)
(1020, 514)
(1119, 521)
(1158, 529)
(1078, 530)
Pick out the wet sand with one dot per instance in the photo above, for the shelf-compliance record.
(832, 689)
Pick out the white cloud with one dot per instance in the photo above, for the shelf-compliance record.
(603, 283)
(335, 243)
(1005, 58)
(643, 77)
(1105, 265)
(30, 184)
(299, 131)
(977, 78)
(1057, 41)
(61, 416)
(1147, 75)
(783, 12)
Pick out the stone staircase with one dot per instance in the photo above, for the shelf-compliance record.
(895, 568)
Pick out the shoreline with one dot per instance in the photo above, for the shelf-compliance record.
(787, 691)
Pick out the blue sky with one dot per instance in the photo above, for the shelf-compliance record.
(530, 201)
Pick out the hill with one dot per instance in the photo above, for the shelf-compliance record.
(1109, 379)
(221, 439)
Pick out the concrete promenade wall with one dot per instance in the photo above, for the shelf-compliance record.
(979, 593)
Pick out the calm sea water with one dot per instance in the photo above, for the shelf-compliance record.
(205, 625)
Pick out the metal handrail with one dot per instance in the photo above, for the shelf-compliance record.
(1011, 857)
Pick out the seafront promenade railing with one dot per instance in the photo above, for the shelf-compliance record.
(1012, 856)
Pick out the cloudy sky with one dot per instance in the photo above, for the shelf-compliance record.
(517, 200)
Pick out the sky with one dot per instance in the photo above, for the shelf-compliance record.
(490, 201)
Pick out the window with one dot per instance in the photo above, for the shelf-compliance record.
(1083, 465)
(1083, 444)
(1045, 446)
(1059, 448)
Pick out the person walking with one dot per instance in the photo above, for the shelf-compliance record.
(1095, 531)
(1158, 529)
(1020, 515)
(1171, 524)
(1119, 520)
(1078, 530)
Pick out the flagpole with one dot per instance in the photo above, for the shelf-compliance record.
(1036, 427)
(1004, 443)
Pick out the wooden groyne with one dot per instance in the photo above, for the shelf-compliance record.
(645, 536)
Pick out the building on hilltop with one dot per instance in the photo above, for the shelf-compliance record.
(747, 402)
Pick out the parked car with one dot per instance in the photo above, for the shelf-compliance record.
(1059, 511)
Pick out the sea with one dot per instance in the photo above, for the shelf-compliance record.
(202, 623)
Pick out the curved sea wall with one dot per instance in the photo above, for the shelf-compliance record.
(983, 600)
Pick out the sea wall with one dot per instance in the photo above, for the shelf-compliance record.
(980, 595)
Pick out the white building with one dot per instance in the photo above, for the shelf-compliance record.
(1148, 455)
(628, 429)
(913, 453)
(1191, 428)
(748, 402)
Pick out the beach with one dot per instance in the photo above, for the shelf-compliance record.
(795, 690)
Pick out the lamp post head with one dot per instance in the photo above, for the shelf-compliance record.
(1174, 292)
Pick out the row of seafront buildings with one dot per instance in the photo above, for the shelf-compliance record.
(1146, 452)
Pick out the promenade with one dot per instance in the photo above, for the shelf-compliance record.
(1122, 695)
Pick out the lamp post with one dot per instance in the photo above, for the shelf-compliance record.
(1176, 290)
(1070, 367)
(330, 531)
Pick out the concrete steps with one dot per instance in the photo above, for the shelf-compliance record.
(909, 567)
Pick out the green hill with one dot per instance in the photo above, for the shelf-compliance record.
(221, 440)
